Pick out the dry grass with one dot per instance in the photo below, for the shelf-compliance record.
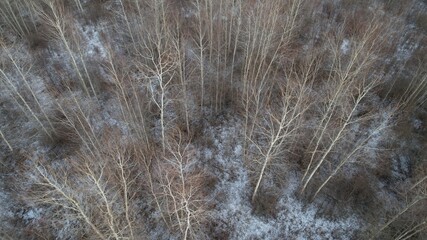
(265, 203)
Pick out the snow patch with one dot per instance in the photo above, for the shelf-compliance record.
(32, 214)
(95, 48)
(406, 49)
(401, 166)
(379, 133)
(345, 46)
(417, 124)
(235, 212)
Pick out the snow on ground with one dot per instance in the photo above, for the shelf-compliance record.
(5, 209)
(345, 46)
(232, 198)
(20, 73)
(378, 133)
(407, 46)
(32, 214)
(94, 46)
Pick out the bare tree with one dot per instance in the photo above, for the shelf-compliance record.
(160, 77)
(264, 37)
(352, 80)
(360, 144)
(415, 197)
(5, 140)
(200, 40)
(14, 15)
(275, 133)
(19, 98)
(54, 14)
(99, 192)
(182, 187)
(131, 97)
